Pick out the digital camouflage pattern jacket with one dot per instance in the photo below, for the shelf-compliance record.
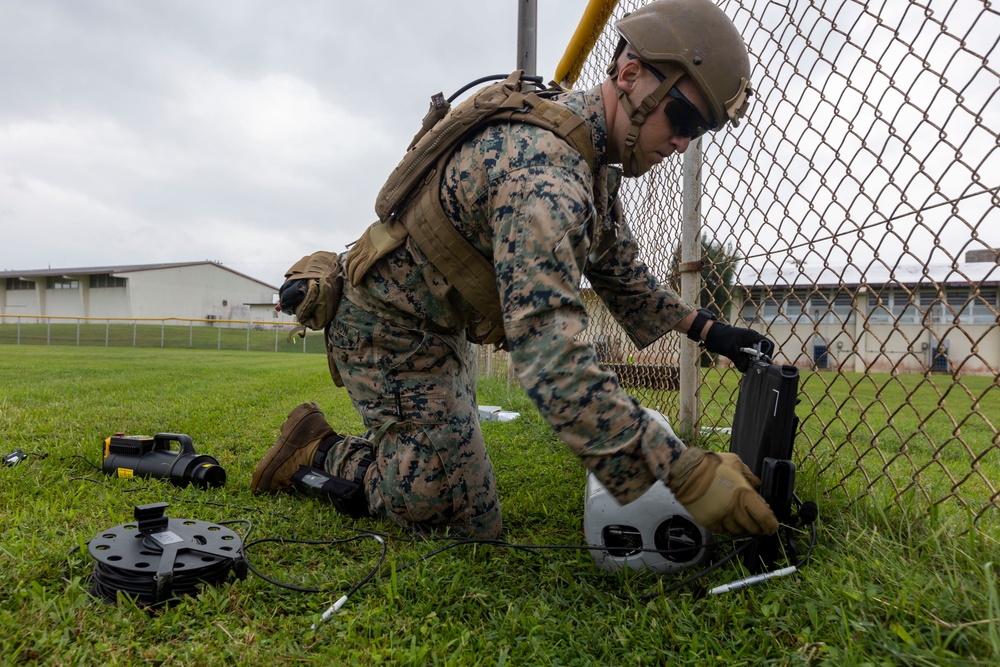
(525, 198)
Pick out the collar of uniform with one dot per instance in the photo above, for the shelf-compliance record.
(589, 105)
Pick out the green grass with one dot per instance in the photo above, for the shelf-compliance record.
(888, 584)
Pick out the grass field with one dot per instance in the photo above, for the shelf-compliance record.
(885, 585)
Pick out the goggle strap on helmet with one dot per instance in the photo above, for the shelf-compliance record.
(634, 162)
(613, 65)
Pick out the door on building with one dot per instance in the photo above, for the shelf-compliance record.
(821, 357)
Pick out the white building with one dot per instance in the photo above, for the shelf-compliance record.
(190, 291)
(907, 319)
(876, 318)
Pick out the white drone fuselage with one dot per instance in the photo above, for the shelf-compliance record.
(653, 532)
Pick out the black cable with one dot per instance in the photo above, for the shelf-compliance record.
(106, 581)
(537, 80)
(304, 589)
(532, 549)
(83, 458)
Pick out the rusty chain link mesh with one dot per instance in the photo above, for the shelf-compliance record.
(853, 218)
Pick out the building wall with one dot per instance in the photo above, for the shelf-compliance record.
(197, 291)
(17, 303)
(840, 338)
(203, 291)
(108, 302)
(859, 335)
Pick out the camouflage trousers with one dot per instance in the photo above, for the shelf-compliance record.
(416, 393)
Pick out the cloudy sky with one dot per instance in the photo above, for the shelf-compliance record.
(248, 132)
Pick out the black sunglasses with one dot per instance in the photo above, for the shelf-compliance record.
(683, 115)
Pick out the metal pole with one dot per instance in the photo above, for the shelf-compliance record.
(690, 380)
(527, 29)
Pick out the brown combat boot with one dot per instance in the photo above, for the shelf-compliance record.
(301, 435)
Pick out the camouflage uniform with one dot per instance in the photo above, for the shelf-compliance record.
(525, 198)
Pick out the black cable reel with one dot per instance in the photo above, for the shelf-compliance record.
(156, 559)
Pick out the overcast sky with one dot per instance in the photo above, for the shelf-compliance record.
(249, 132)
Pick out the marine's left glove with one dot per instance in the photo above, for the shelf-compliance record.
(312, 290)
(728, 341)
(719, 492)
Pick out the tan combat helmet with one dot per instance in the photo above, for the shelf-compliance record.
(697, 39)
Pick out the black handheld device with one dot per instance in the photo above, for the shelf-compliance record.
(144, 456)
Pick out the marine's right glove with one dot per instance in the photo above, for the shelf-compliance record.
(718, 490)
(312, 290)
(291, 294)
(729, 341)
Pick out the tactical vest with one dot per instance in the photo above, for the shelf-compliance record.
(409, 204)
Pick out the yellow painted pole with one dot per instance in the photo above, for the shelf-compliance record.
(595, 16)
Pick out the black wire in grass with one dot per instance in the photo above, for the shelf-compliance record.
(307, 589)
(82, 458)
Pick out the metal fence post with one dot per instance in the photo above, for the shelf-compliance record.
(690, 375)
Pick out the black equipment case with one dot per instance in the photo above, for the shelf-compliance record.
(764, 428)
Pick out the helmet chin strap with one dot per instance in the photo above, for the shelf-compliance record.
(633, 160)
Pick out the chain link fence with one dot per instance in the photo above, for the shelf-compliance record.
(853, 217)
(169, 332)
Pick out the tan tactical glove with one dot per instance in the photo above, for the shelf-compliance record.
(718, 490)
(312, 290)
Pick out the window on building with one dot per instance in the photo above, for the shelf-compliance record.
(984, 307)
(62, 283)
(842, 305)
(794, 305)
(751, 310)
(904, 310)
(770, 308)
(818, 307)
(18, 284)
(932, 306)
(879, 307)
(106, 280)
(965, 306)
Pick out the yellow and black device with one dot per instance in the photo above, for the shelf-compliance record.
(151, 456)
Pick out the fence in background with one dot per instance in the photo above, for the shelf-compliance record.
(169, 332)
(853, 217)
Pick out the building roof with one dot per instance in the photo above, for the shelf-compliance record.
(119, 269)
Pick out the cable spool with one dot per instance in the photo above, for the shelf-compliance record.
(157, 559)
